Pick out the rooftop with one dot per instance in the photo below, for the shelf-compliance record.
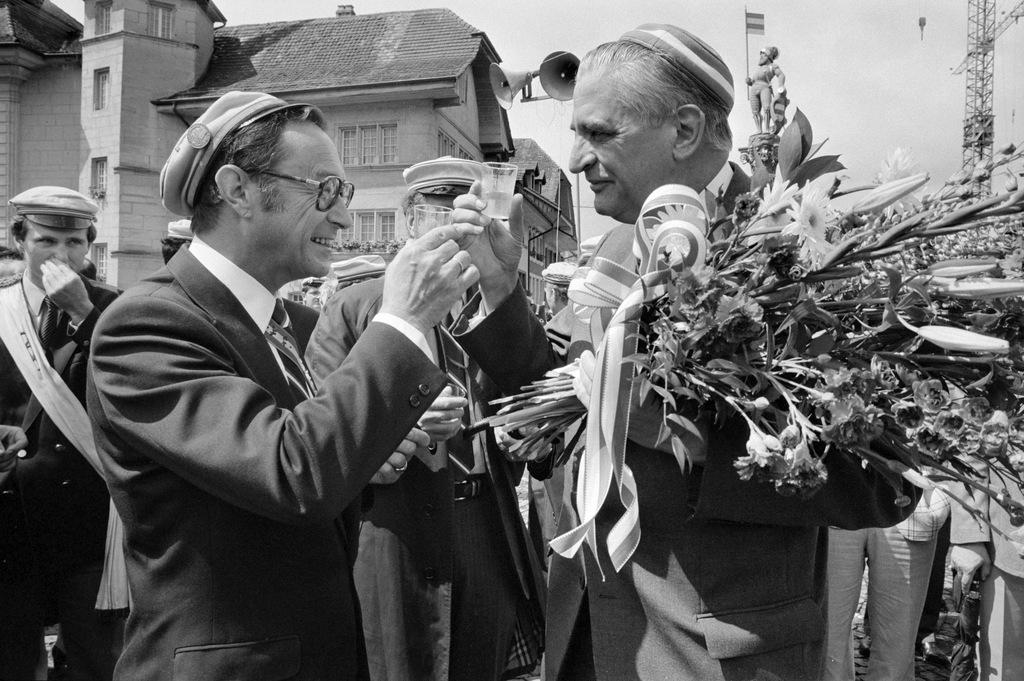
(339, 51)
(40, 26)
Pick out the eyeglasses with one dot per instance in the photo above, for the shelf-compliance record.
(327, 190)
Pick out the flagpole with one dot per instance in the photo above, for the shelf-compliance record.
(746, 40)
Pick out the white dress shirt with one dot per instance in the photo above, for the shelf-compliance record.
(258, 302)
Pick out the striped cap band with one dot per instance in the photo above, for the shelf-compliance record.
(694, 55)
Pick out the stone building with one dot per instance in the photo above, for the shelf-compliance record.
(98, 107)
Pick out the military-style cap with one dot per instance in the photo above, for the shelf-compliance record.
(56, 207)
(180, 229)
(358, 268)
(691, 53)
(189, 161)
(445, 175)
(559, 273)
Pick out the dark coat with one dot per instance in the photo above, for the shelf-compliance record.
(404, 570)
(230, 491)
(729, 577)
(53, 505)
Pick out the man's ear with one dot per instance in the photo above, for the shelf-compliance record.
(689, 128)
(237, 189)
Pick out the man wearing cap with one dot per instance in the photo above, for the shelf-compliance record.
(449, 587)
(232, 466)
(179, 233)
(53, 504)
(728, 578)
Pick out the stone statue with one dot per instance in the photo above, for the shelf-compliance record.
(768, 106)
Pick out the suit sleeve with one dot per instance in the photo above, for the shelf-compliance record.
(167, 387)
(509, 344)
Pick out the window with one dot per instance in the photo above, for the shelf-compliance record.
(100, 88)
(99, 258)
(102, 18)
(447, 146)
(161, 18)
(367, 145)
(389, 144)
(364, 232)
(349, 156)
(375, 225)
(387, 226)
(98, 188)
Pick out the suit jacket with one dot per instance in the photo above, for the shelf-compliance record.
(727, 573)
(231, 492)
(404, 570)
(53, 505)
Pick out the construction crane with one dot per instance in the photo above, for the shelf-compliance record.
(979, 63)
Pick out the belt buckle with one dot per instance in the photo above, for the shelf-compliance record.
(469, 488)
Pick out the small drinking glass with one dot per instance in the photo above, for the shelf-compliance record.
(498, 183)
(426, 217)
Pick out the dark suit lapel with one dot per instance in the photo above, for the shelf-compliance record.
(231, 319)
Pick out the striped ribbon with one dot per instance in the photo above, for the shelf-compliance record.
(669, 236)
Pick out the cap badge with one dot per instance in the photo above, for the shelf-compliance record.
(198, 135)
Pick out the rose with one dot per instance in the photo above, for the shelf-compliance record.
(908, 415)
(949, 424)
(930, 395)
(975, 410)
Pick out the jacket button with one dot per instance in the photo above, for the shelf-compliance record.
(428, 510)
(65, 483)
(429, 574)
(424, 389)
(60, 447)
(414, 400)
(7, 493)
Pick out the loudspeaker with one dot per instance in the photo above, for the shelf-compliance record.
(558, 74)
(507, 84)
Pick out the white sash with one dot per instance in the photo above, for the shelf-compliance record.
(18, 333)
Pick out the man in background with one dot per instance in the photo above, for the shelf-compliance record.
(179, 234)
(53, 504)
(449, 586)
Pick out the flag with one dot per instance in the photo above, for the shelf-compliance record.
(755, 23)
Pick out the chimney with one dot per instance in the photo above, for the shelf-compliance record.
(345, 11)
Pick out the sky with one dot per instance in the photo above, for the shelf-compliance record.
(861, 70)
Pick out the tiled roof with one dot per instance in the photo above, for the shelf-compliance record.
(346, 51)
(38, 25)
(530, 156)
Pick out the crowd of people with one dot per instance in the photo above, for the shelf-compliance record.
(294, 495)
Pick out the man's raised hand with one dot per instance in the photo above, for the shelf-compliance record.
(429, 275)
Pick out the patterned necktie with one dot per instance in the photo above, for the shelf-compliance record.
(49, 323)
(279, 334)
(462, 452)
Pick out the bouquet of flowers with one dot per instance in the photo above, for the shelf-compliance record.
(890, 330)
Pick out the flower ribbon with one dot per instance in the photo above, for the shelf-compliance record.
(668, 236)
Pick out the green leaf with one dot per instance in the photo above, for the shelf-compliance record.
(794, 144)
(814, 168)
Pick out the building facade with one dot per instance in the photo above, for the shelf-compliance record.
(98, 107)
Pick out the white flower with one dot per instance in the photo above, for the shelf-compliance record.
(777, 196)
(898, 165)
(810, 222)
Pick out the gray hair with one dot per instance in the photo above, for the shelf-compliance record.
(653, 87)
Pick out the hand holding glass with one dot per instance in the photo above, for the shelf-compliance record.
(426, 217)
(497, 184)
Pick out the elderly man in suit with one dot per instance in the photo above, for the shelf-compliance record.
(233, 468)
(53, 504)
(728, 579)
(450, 587)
